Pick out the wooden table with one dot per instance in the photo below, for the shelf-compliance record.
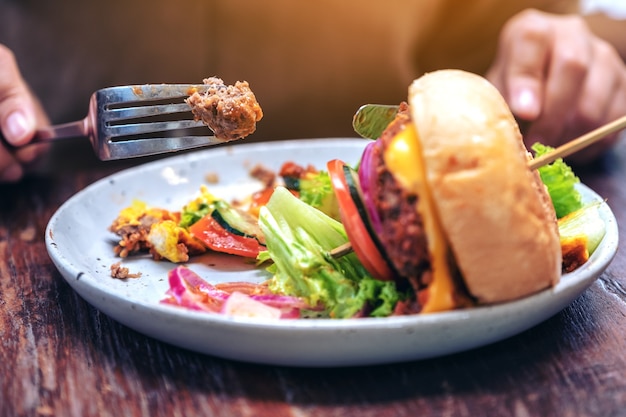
(61, 357)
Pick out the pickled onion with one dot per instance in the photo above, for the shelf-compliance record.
(367, 180)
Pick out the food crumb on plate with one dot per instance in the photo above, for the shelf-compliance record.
(121, 272)
(212, 178)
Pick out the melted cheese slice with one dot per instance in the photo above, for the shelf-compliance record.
(403, 158)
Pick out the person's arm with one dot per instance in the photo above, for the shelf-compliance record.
(560, 78)
(20, 115)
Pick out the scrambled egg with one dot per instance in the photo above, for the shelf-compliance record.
(164, 240)
(141, 227)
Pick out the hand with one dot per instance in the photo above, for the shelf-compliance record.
(559, 79)
(20, 115)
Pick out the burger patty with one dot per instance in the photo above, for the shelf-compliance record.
(402, 235)
(230, 111)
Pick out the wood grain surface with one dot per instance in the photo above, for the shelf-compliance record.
(61, 357)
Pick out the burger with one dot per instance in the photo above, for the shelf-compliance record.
(444, 201)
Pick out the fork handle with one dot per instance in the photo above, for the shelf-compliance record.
(62, 131)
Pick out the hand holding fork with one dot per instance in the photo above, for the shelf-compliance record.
(135, 120)
(122, 122)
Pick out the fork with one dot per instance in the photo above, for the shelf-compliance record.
(121, 122)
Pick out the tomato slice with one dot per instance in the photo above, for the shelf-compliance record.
(216, 238)
(260, 199)
(362, 242)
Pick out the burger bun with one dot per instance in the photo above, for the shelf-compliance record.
(496, 213)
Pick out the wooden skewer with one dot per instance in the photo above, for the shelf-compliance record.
(578, 143)
(562, 151)
(341, 250)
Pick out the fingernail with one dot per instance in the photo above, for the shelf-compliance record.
(525, 104)
(17, 127)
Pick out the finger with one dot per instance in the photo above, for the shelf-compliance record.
(30, 153)
(528, 55)
(604, 101)
(18, 118)
(616, 109)
(10, 169)
(567, 73)
(603, 82)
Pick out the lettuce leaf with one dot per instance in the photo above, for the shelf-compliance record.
(299, 238)
(316, 190)
(560, 181)
(197, 208)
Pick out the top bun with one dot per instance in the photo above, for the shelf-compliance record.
(498, 217)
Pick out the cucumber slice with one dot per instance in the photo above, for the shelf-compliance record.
(236, 221)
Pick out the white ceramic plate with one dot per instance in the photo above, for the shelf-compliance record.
(81, 247)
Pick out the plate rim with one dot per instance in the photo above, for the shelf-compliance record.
(573, 282)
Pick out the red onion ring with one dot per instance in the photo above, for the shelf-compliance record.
(367, 180)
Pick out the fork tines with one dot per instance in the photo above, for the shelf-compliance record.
(144, 111)
(149, 92)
